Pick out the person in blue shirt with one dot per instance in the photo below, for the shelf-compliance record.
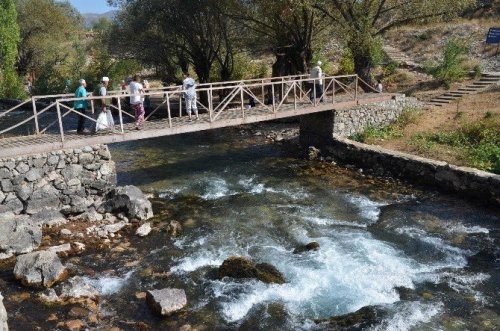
(81, 105)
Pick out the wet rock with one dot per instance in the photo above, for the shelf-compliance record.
(39, 269)
(78, 312)
(49, 296)
(312, 246)
(166, 301)
(18, 236)
(74, 325)
(61, 249)
(269, 274)
(242, 267)
(313, 153)
(143, 230)
(128, 199)
(237, 267)
(362, 319)
(76, 289)
(3, 316)
(174, 228)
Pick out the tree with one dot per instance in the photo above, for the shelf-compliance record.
(10, 85)
(51, 42)
(176, 33)
(361, 22)
(287, 27)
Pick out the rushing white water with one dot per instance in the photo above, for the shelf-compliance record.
(108, 285)
(351, 270)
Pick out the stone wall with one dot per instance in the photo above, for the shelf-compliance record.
(68, 180)
(350, 121)
(467, 182)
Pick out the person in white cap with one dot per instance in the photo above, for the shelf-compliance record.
(317, 75)
(103, 91)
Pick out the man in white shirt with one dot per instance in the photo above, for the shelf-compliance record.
(189, 87)
(317, 75)
(136, 89)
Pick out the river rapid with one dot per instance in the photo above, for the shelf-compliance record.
(409, 254)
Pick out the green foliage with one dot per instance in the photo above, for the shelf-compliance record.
(451, 69)
(478, 71)
(346, 65)
(10, 84)
(394, 130)
(391, 68)
(477, 143)
(376, 51)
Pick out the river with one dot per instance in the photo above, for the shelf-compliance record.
(404, 251)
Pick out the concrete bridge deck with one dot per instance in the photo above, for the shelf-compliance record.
(292, 101)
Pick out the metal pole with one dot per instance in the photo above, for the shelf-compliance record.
(120, 113)
(294, 96)
(35, 113)
(242, 102)
(272, 95)
(61, 129)
(168, 110)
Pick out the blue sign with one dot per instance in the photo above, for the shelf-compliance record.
(493, 36)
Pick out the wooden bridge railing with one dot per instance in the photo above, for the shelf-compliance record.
(270, 95)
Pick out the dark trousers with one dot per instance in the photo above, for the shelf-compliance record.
(319, 92)
(81, 120)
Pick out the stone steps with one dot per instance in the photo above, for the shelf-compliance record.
(486, 80)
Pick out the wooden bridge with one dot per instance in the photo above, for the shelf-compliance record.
(42, 123)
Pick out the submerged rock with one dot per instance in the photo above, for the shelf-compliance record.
(3, 316)
(39, 269)
(313, 153)
(76, 289)
(242, 267)
(174, 228)
(312, 246)
(128, 199)
(166, 301)
(18, 236)
(143, 230)
(361, 319)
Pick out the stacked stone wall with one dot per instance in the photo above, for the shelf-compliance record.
(350, 121)
(467, 182)
(68, 180)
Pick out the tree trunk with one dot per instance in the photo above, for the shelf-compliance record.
(363, 67)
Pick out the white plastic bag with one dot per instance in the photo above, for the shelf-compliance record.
(102, 122)
(111, 121)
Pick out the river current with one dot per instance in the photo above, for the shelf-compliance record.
(406, 252)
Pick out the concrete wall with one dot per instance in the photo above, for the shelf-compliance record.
(350, 121)
(68, 180)
(467, 182)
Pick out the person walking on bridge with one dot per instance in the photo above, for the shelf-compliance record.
(81, 105)
(317, 75)
(136, 101)
(189, 87)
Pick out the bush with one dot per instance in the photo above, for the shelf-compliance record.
(391, 68)
(451, 69)
(346, 65)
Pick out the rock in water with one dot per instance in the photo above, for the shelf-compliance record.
(313, 153)
(143, 230)
(269, 274)
(129, 199)
(166, 301)
(312, 246)
(77, 289)
(18, 236)
(237, 267)
(242, 267)
(3, 316)
(174, 228)
(39, 269)
(362, 319)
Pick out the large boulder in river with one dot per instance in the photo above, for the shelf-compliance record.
(19, 235)
(3, 316)
(362, 319)
(166, 301)
(242, 267)
(312, 246)
(39, 269)
(130, 200)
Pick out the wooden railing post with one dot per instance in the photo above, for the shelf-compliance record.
(59, 118)
(314, 92)
(294, 96)
(242, 102)
(333, 91)
(356, 91)
(272, 96)
(33, 102)
(168, 111)
(120, 113)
